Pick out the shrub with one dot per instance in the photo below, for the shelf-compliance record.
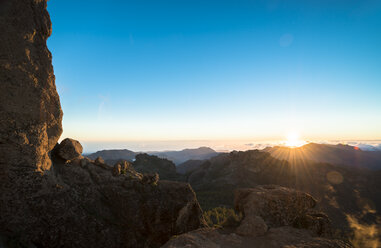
(222, 217)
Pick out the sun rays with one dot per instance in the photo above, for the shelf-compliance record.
(293, 140)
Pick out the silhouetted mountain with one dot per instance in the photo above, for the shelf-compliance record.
(333, 154)
(350, 196)
(111, 156)
(145, 163)
(179, 157)
(189, 166)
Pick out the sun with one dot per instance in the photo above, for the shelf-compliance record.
(293, 140)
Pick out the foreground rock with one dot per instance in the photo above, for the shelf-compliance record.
(271, 214)
(280, 237)
(252, 226)
(69, 149)
(87, 205)
(75, 202)
(280, 206)
(125, 209)
(30, 111)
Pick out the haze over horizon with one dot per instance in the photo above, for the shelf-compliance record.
(139, 71)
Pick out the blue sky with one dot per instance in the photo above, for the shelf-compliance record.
(217, 70)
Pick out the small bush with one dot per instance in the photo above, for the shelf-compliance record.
(222, 217)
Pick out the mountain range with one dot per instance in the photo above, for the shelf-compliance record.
(334, 154)
(349, 195)
(177, 157)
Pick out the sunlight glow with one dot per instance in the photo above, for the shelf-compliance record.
(293, 140)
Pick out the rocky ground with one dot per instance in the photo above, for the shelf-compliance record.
(274, 217)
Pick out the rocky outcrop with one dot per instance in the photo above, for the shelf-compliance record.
(252, 225)
(92, 207)
(270, 214)
(280, 237)
(150, 164)
(279, 206)
(30, 111)
(82, 204)
(74, 202)
(69, 149)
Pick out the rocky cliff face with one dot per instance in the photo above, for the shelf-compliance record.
(30, 110)
(73, 202)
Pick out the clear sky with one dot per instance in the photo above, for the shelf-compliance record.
(215, 70)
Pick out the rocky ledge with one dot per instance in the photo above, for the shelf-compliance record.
(273, 217)
(81, 202)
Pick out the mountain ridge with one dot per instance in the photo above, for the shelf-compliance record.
(326, 153)
(178, 157)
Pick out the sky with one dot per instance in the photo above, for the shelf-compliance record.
(143, 71)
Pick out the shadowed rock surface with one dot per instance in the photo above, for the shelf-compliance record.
(145, 163)
(280, 206)
(280, 237)
(277, 206)
(73, 202)
(69, 149)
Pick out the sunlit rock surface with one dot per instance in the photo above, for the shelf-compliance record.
(30, 110)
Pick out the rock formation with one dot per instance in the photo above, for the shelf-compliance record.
(72, 202)
(270, 212)
(30, 110)
(280, 206)
(145, 163)
(69, 149)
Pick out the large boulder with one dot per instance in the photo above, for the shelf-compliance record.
(278, 206)
(69, 149)
(252, 226)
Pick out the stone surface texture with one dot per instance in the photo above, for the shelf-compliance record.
(69, 149)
